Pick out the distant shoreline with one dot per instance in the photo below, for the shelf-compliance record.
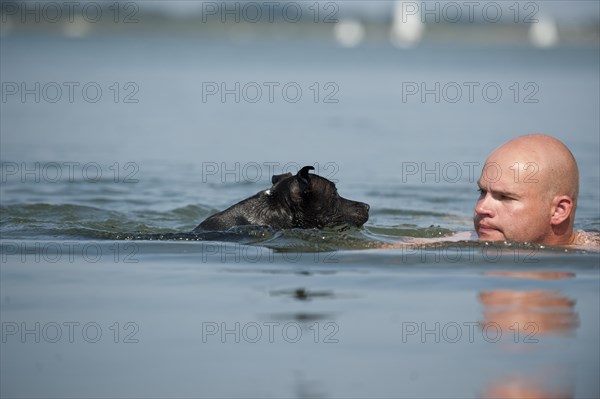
(374, 31)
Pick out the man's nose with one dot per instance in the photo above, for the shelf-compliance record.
(483, 205)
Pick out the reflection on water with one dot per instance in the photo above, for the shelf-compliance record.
(542, 312)
(304, 318)
(303, 294)
(530, 313)
(528, 385)
(532, 275)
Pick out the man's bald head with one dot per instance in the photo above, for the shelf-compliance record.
(529, 188)
(548, 161)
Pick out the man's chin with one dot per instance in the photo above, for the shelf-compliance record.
(490, 235)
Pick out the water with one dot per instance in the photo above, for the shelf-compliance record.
(98, 199)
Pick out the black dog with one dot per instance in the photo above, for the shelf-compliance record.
(304, 201)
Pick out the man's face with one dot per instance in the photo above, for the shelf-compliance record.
(512, 205)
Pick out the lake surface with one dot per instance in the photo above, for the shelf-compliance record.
(104, 293)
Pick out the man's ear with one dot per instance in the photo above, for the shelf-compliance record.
(562, 207)
(276, 178)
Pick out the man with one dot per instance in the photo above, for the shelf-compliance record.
(528, 192)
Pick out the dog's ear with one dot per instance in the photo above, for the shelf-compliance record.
(303, 175)
(277, 178)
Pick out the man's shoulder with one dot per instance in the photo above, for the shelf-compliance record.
(586, 239)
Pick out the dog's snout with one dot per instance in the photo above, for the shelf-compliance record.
(361, 206)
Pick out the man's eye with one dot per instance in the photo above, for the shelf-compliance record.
(481, 191)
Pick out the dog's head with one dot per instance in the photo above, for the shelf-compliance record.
(315, 202)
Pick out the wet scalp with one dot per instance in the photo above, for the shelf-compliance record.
(558, 173)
